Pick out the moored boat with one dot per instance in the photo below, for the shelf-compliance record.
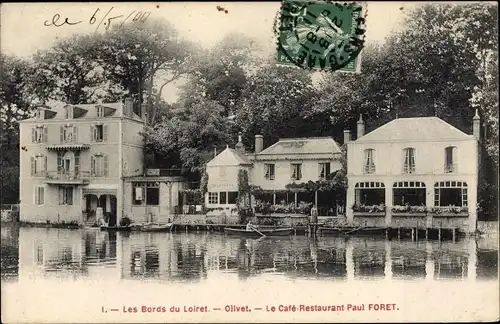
(115, 228)
(253, 233)
(156, 227)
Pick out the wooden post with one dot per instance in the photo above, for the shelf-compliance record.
(274, 197)
(416, 233)
(412, 234)
(439, 233)
(426, 233)
(295, 197)
(316, 198)
(399, 233)
(454, 234)
(386, 233)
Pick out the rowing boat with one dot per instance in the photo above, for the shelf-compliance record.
(267, 232)
(156, 227)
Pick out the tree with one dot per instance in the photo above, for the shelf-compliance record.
(273, 102)
(136, 57)
(16, 103)
(69, 72)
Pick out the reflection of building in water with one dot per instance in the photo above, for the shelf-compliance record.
(162, 256)
(165, 256)
(61, 253)
(487, 257)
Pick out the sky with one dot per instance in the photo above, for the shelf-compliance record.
(24, 30)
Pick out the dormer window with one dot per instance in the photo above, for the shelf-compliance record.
(100, 111)
(409, 161)
(68, 113)
(369, 165)
(450, 157)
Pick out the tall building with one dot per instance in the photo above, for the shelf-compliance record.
(75, 159)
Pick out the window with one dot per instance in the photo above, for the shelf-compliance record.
(450, 159)
(68, 113)
(68, 134)
(369, 166)
(269, 168)
(100, 112)
(324, 170)
(39, 195)
(232, 197)
(146, 192)
(38, 165)
(152, 196)
(39, 134)
(409, 162)
(410, 193)
(213, 198)
(99, 165)
(450, 193)
(99, 133)
(66, 195)
(296, 171)
(223, 198)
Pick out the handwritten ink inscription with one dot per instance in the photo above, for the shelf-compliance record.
(105, 20)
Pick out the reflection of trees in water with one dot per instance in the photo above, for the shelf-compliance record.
(487, 264)
(9, 251)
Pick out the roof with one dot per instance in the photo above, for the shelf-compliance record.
(414, 129)
(228, 157)
(81, 111)
(307, 145)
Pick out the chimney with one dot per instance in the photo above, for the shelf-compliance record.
(347, 136)
(239, 146)
(128, 108)
(259, 143)
(361, 127)
(476, 126)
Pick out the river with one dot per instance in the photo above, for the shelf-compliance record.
(88, 275)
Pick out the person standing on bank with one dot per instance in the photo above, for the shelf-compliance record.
(314, 214)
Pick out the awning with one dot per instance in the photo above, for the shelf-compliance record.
(68, 147)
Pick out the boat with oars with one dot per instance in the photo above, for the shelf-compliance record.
(259, 232)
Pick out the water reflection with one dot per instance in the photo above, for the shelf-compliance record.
(32, 253)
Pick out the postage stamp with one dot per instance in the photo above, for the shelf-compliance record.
(321, 35)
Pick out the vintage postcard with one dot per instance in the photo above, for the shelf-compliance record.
(236, 162)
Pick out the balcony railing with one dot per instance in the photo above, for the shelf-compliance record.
(409, 168)
(450, 168)
(369, 168)
(67, 175)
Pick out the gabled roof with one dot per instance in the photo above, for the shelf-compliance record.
(414, 129)
(307, 145)
(229, 157)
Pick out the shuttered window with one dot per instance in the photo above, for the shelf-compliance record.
(39, 196)
(38, 165)
(39, 134)
(99, 133)
(99, 165)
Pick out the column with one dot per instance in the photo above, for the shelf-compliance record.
(388, 202)
(295, 198)
(349, 261)
(316, 198)
(388, 261)
(429, 262)
(274, 197)
(429, 201)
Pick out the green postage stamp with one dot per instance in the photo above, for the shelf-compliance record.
(321, 35)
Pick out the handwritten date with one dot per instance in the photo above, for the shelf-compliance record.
(107, 20)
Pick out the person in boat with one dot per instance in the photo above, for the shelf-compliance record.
(250, 226)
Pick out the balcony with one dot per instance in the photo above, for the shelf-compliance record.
(409, 168)
(67, 177)
(369, 168)
(450, 168)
